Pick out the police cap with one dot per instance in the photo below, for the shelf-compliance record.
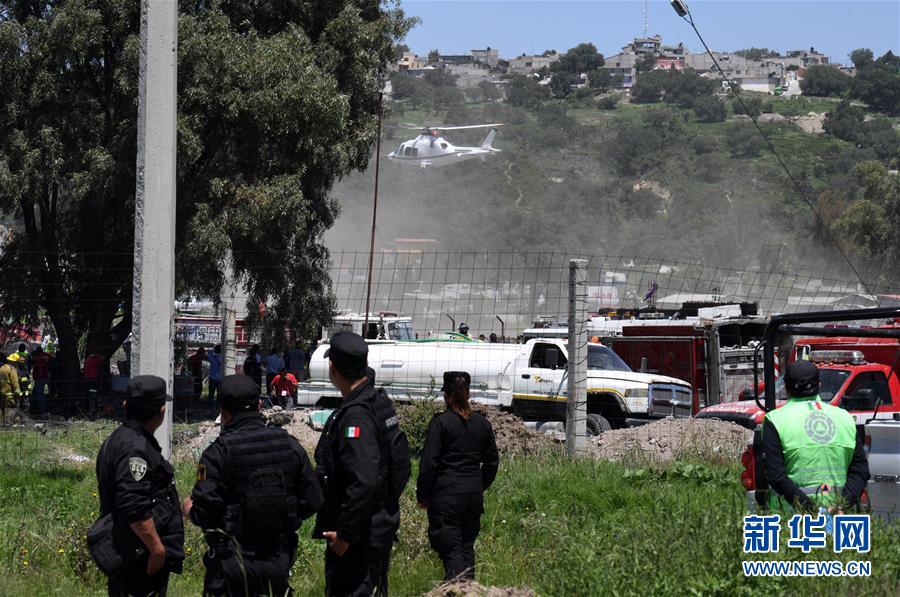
(451, 377)
(145, 394)
(801, 379)
(348, 352)
(238, 393)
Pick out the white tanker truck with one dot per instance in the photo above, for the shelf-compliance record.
(529, 379)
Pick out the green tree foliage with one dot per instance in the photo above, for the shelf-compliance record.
(399, 50)
(434, 88)
(649, 87)
(412, 89)
(877, 83)
(824, 80)
(273, 107)
(638, 148)
(845, 122)
(645, 63)
(675, 86)
(488, 91)
(849, 123)
(525, 92)
(710, 109)
(561, 84)
(599, 79)
(684, 87)
(862, 57)
(753, 105)
(642, 203)
(871, 221)
(884, 140)
(755, 54)
(608, 102)
(434, 56)
(581, 59)
(743, 140)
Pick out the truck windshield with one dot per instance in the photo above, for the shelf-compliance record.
(830, 381)
(602, 357)
(401, 330)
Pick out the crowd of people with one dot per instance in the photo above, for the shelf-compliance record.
(255, 485)
(282, 368)
(25, 381)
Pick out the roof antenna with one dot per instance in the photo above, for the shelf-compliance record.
(645, 18)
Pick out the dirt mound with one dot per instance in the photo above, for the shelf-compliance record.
(814, 122)
(190, 445)
(512, 435)
(473, 589)
(670, 439)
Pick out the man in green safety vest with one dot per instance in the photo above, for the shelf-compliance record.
(814, 456)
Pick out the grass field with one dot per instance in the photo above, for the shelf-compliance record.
(561, 527)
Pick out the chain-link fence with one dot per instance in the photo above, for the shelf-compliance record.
(431, 312)
(439, 288)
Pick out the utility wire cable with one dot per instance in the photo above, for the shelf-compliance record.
(803, 195)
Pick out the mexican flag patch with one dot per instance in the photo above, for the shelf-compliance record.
(351, 432)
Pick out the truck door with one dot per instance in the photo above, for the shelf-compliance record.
(866, 390)
(544, 376)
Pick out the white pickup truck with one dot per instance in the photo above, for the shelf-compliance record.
(529, 379)
(884, 467)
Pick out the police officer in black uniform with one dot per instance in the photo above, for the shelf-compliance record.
(136, 486)
(459, 462)
(255, 485)
(359, 525)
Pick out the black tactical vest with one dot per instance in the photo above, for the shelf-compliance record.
(261, 493)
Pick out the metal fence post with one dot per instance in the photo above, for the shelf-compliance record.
(576, 403)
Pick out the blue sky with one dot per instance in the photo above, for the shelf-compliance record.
(532, 26)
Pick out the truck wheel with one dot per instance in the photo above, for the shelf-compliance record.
(597, 424)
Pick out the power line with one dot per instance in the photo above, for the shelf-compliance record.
(685, 13)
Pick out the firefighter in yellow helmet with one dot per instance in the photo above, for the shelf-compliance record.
(9, 385)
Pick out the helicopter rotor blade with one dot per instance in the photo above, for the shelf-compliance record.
(468, 126)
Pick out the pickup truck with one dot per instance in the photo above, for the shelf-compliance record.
(528, 379)
(883, 441)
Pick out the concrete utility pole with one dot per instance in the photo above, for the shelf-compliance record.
(154, 205)
(576, 403)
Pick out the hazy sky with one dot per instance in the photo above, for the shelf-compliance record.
(532, 26)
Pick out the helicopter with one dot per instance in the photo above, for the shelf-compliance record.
(431, 149)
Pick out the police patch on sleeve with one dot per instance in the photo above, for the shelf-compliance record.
(138, 468)
(201, 472)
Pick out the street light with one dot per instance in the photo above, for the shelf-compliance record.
(680, 7)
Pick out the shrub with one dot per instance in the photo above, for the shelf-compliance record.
(608, 102)
(702, 145)
(743, 140)
(709, 109)
(414, 419)
(824, 80)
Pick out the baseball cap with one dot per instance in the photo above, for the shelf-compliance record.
(450, 378)
(145, 394)
(238, 393)
(348, 351)
(801, 379)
